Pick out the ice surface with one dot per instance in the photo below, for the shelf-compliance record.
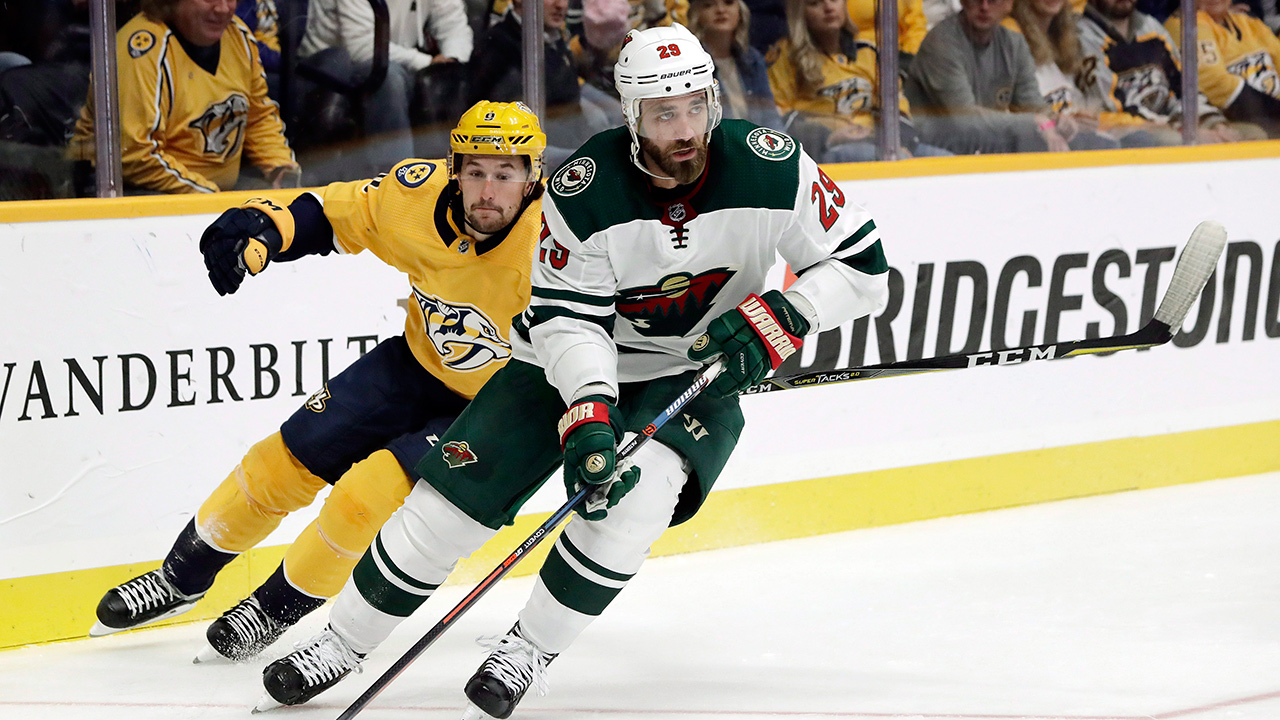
(1161, 604)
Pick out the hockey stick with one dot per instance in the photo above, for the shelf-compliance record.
(1195, 265)
(700, 383)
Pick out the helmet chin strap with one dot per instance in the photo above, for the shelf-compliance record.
(638, 162)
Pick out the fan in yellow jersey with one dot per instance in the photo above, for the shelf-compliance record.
(193, 101)
(464, 230)
(1238, 63)
(824, 81)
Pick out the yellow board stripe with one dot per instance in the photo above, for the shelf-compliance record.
(1028, 162)
(160, 205)
(60, 606)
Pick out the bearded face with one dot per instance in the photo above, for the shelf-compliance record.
(681, 159)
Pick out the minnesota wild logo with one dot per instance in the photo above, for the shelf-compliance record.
(674, 305)
(770, 144)
(457, 453)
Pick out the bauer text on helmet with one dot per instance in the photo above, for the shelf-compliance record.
(670, 101)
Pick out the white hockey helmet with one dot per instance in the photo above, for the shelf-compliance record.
(663, 62)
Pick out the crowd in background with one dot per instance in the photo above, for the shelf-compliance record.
(210, 100)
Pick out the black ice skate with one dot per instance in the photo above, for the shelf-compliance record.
(511, 669)
(141, 601)
(315, 666)
(241, 633)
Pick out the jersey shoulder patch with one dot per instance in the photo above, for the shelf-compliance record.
(752, 167)
(574, 177)
(414, 173)
(770, 144)
(597, 187)
(140, 43)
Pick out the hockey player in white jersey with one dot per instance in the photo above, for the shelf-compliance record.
(655, 243)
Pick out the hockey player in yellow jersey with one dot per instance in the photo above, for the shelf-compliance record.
(193, 102)
(464, 230)
(1239, 56)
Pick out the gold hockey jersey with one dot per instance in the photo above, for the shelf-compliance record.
(1242, 50)
(849, 91)
(464, 292)
(182, 129)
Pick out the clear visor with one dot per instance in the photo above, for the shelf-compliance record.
(683, 117)
(497, 169)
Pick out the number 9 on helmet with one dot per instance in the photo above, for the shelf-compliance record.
(498, 128)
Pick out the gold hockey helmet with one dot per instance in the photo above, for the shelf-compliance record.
(498, 128)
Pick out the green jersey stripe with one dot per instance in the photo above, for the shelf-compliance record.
(590, 564)
(399, 574)
(378, 591)
(571, 589)
(855, 238)
(569, 295)
(870, 261)
(543, 313)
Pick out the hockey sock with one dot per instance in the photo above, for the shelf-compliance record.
(192, 563)
(592, 561)
(283, 602)
(268, 484)
(322, 557)
(409, 558)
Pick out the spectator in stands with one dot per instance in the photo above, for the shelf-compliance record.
(263, 21)
(1239, 55)
(911, 23)
(497, 75)
(598, 40)
(1131, 67)
(973, 86)
(192, 100)
(1049, 27)
(825, 84)
(339, 42)
(722, 27)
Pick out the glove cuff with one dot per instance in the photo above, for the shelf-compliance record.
(778, 342)
(587, 410)
(280, 217)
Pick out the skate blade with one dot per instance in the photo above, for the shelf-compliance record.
(266, 703)
(474, 713)
(98, 629)
(207, 654)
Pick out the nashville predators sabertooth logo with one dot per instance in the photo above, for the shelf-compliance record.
(315, 403)
(223, 124)
(674, 305)
(465, 338)
(458, 453)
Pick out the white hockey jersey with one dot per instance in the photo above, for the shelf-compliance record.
(627, 276)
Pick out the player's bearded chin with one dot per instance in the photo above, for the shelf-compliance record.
(682, 171)
(488, 223)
